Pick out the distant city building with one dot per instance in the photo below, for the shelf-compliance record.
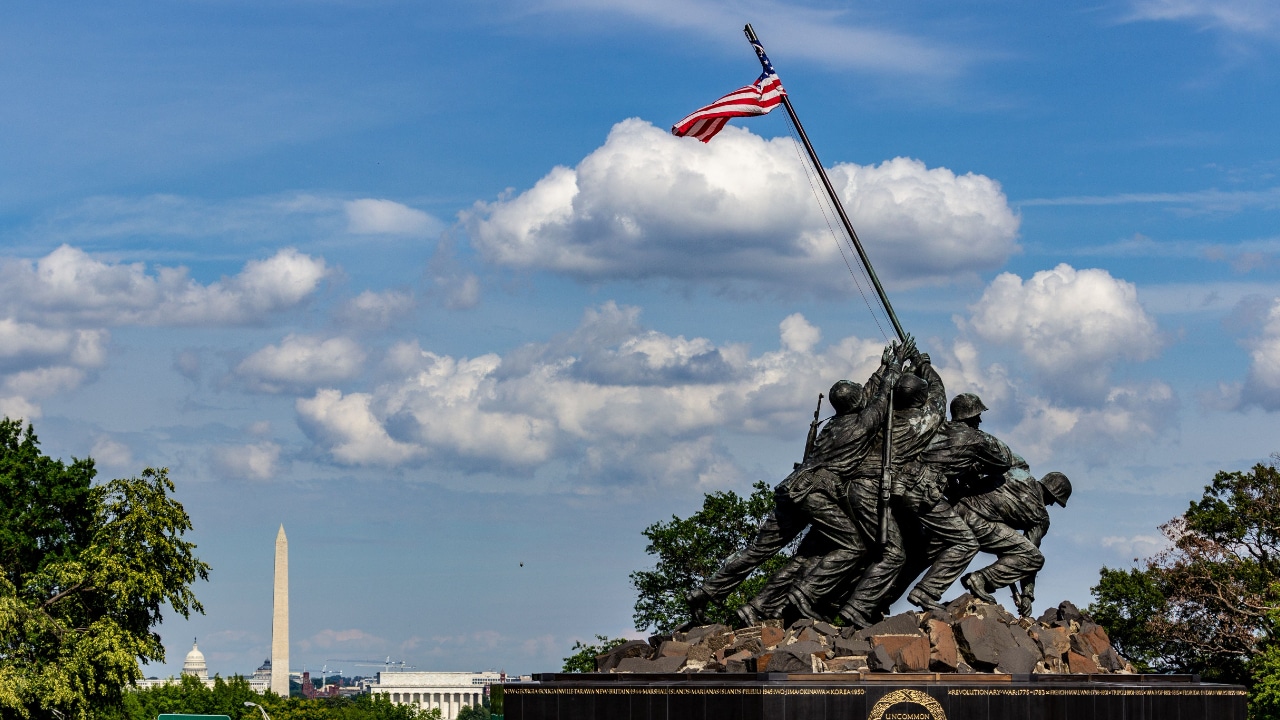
(447, 691)
(194, 664)
(310, 690)
(261, 680)
(147, 683)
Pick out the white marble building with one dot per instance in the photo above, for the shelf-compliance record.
(448, 691)
(261, 680)
(193, 665)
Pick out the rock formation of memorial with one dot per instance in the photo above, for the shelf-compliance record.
(967, 636)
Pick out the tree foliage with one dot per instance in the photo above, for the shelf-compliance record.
(1209, 603)
(228, 697)
(84, 572)
(690, 550)
(583, 658)
(473, 712)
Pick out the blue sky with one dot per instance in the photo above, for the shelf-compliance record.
(431, 285)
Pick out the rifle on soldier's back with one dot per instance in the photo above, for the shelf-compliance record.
(812, 440)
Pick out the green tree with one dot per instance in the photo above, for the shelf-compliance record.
(1209, 603)
(690, 550)
(473, 712)
(228, 698)
(583, 658)
(84, 572)
(1264, 670)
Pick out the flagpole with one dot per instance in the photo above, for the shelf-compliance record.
(835, 200)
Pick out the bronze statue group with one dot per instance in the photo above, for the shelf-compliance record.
(950, 491)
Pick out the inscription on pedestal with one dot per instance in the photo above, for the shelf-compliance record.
(946, 697)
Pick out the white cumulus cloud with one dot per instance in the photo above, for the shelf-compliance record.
(37, 362)
(111, 453)
(375, 309)
(1135, 546)
(348, 428)
(1039, 424)
(26, 346)
(620, 403)
(369, 216)
(647, 204)
(256, 461)
(1070, 325)
(301, 361)
(70, 286)
(1262, 385)
(1125, 416)
(798, 334)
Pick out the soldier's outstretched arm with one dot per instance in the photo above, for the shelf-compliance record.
(937, 397)
(991, 455)
(1037, 533)
(873, 413)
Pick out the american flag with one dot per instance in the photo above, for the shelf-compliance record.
(757, 98)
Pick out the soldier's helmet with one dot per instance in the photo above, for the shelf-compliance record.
(965, 406)
(845, 396)
(910, 392)
(1058, 486)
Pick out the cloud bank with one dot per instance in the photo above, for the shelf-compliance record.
(301, 361)
(647, 204)
(1072, 328)
(1070, 325)
(618, 402)
(1262, 385)
(69, 286)
(55, 312)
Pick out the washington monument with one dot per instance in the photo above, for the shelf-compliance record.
(280, 619)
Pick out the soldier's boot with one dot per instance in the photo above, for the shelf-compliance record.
(855, 618)
(924, 600)
(800, 602)
(697, 602)
(748, 616)
(976, 584)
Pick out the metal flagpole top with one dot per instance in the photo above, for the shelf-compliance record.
(831, 191)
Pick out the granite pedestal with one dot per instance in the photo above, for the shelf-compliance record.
(926, 696)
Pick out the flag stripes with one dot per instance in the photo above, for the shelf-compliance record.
(756, 99)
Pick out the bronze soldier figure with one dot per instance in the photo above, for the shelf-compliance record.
(1017, 502)
(959, 449)
(810, 496)
(919, 405)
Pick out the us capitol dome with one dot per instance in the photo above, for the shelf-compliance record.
(194, 664)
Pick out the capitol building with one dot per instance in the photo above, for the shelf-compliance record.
(193, 665)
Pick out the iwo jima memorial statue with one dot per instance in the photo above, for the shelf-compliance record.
(893, 499)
